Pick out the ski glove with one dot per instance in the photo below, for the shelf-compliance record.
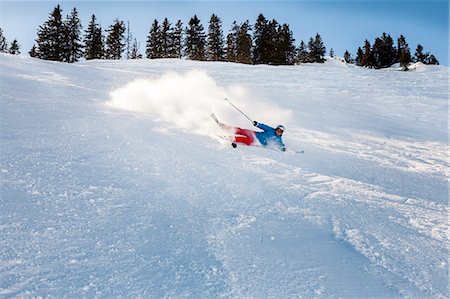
(283, 149)
(255, 123)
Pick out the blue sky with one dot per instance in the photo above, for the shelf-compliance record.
(343, 25)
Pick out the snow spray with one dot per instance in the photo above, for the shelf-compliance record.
(187, 100)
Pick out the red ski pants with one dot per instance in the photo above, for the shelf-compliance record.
(244, 136)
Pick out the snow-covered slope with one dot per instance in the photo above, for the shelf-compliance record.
(115, 181)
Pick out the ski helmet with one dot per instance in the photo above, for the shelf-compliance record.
(280, 127)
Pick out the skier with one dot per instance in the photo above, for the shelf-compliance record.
(269, 137)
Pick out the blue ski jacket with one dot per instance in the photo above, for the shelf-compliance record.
(268, 137)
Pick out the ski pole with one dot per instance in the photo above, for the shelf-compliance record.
(238, 110)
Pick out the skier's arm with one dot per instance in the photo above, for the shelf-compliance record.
(282, 146)
(263, 126)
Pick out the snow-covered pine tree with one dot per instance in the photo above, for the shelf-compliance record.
(93, 41)
(3, 43)
(14, 48)
(195, 40)
(50, 39)
(154, 42)
(73, 49)
(115, 41)
(244, 43)
(215, 48)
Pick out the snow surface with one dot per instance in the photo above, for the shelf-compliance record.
(115, 181)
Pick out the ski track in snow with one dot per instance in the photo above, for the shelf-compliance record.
(99, 202)
(414, 222)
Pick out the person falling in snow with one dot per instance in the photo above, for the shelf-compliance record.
(269, 137)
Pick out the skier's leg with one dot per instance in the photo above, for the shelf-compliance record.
(244, 136)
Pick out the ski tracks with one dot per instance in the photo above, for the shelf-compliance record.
(402, 237)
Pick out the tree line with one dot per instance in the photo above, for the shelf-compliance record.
(13, 48)
(383, 53)
(265, 42)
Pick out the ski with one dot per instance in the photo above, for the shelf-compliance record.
(215, 118)
(223, 127)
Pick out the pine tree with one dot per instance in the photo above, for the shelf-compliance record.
(404, 54)
(272, 43)
(383, 52)
(231, 50)
(377, 52)
(426, 58)
(244, 44)
(348, 57)
(50, 39)
(166, 39)
(33, 52)
(391, 51)
(154, 44)
(195, 40)
(260, 40)
(134, 52)
(3, 43)
(302, 53)
(72, 37)
(93, 41)
(367, 59)
(331, 53)
(286, 48)
(14, 48)
(419, 56)
(128, 40)
(177, 41)
(115, 45)
(317, 49)
(215, 48)
(359, 57)
(432, 60)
